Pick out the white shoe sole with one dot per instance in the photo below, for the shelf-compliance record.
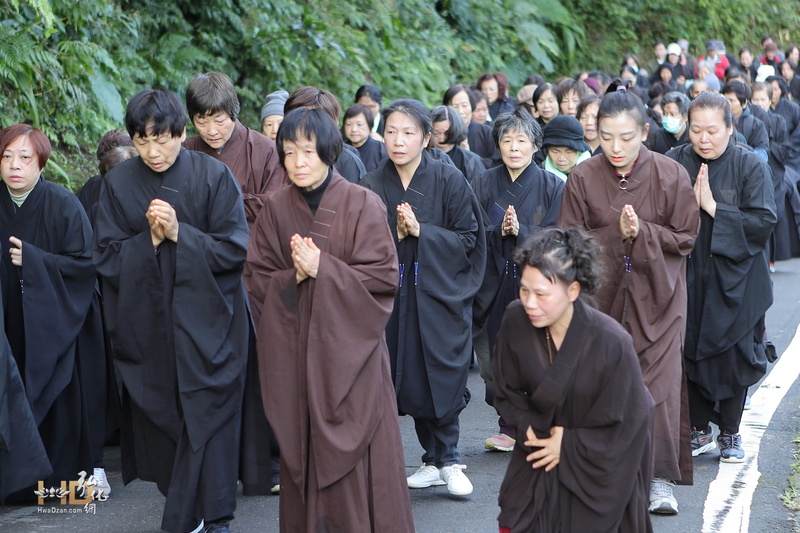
(730, 459)
(664, 506)
(425, 485)
(703, 449)
(460, 493)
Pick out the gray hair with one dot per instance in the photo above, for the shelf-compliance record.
(679, 99)
(518, 120)
(457, 131)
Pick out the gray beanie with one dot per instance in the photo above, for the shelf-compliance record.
(274, 105)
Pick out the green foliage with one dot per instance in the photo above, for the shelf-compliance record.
(68, 67)
(615, 28)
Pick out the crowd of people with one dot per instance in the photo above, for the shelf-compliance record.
(258, 307)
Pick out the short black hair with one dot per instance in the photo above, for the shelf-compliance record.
(158, 110)
(312, 124)
(781, 83)
(739, 89)
(543, 88)
(212, 93)
(451, 93)
(369, 90)
(359, 109)
(413, 109)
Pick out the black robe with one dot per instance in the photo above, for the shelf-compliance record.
(429, 332)
(89, 194)
(785, 239)
(179, 326)
(23, 459)
(754, 132)
(46, 303)
(536, 197)
(790, 112)
(349, 164)
(595, 391)
(728, 282)
(469, 163)
(662, 141)
(500, 106)
(479, 137)
(372, 152)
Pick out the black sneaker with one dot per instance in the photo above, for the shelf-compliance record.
(702, 441)
(730, 447)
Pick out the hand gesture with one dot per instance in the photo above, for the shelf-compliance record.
(15, 251)
(156, 230)
(305, 256)
(702, 192)
(406, 213)
(628, 222)
(164, 215)
(549, 455)
(510, 222)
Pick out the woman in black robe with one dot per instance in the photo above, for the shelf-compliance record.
(448, 133)
(729, 287)
(519, 199)
(48, 284)
(479, 136)
(437, 223)
(357, 121)
(567, 376)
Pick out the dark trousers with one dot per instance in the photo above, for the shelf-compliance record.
(440, 441)
(727, 414)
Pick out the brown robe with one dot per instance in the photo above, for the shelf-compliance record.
(650, 299)
(594, 390)
(324, 362)
(253, 159)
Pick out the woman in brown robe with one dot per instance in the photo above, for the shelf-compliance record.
(322, 267)
(567, 377)
(640, 207)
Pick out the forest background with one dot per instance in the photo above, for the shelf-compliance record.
(69, 66)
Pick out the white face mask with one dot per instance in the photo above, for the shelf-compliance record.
(672, 124)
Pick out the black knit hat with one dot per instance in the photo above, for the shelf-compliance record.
(565, 130)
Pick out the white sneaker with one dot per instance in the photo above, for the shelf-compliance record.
(458, 484)
(661, 499)
(425, 476)
(102, 483)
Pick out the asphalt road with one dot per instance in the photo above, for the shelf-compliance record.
(137, 507)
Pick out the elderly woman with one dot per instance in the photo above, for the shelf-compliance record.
(729, 285)
(48, 286)
(448, 133)
(322, 255)
(567, 378)
(519, 199)
(563, 141)
(437, 224)
(639, 206)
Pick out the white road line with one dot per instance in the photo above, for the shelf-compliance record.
(730, 495)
